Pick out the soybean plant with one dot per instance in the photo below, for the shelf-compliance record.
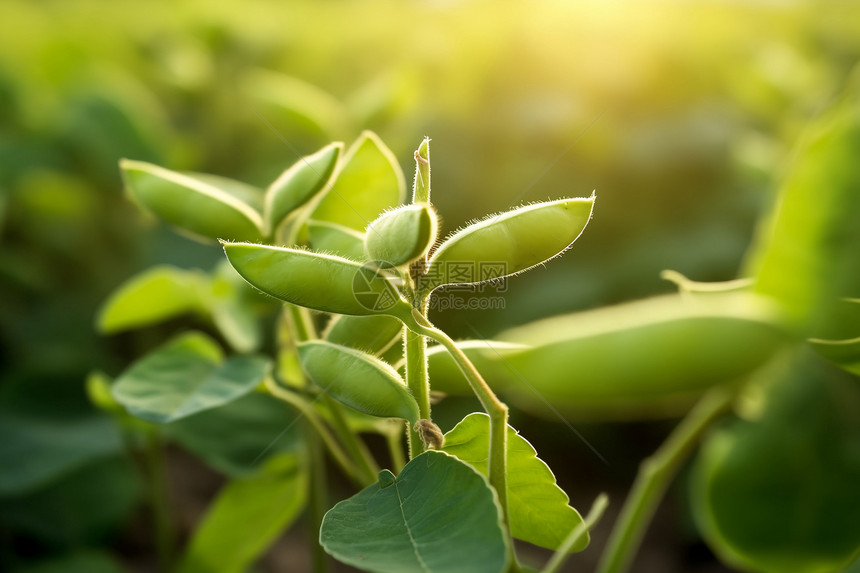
(355, 268)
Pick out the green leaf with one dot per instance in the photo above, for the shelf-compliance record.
(844, 353)
(359, 380)
(36, 450)
(204, 205)
(806, 252)
(317, 281)
(79, 510)
(80, 561)
(538, 510)
(299, 184)
(778, 493)
(237, 438)
(372, 334)
(342, 241)
(247, 517)
(184, 376)
(438, 516)
(400, 236)
(505, 244)
(649, 356)
(155, 295)
(369, 182)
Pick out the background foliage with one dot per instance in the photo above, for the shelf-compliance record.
(681, 115)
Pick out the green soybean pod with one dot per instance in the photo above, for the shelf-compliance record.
(402, 235)
(203, 205)
(510, 243)
(372, 334)
(317, 281)
(299, 184)
(488, 356)
(359, 380)
(641, 359)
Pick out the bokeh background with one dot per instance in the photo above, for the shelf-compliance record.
(679, 114)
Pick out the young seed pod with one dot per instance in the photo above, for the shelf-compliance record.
(509, 243)
(333, 238)
(317, 281)
(359, 380)
(402, 235)
(373, 334)
(299, 184)
(203, 205)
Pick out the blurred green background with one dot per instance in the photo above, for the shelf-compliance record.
(679, 114)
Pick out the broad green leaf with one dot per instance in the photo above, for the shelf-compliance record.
(806, 252)
(332, 238)
(400, 236)
(247, 517)
(184, 376)
(641, 357)
(372, 334)
(538, 510)
(488, 356)
(157, 294)
(317, 281)
(80, 509)
(505, 244)
(369, 182)
(359, 380)
(299, 184)
(238, 437)
(36, 450)
(779, 494)
(204, 205)
(438, 516)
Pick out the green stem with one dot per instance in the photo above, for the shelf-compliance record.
(306, 409)
(159, 500)
(495, 408)
(655, 475)
(317, 503)
(578, 532)
(395, 449)
(357, 449)
(417, 380)
(301, 323)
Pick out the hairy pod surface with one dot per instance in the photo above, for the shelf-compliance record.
(512, 242)
(317, 281)
(299, 184)
(359, 380)
(328, 237)
(401, 235)
(204, 205)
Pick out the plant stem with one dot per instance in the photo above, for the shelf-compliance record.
(582, 529)
(655, 475)
(301, 323)
(415, 347)
(306, 409)
(317, 503)
(421, 185)
(495, 408)
(395, 448)
(367, 468)
(159, 500)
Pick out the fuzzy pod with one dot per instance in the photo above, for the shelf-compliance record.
(296, 186)
(509, 243)
(402, 235)
(203, 205)
(359, 380)
(317, 281)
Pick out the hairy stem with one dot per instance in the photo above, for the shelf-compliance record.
(494, 407)
(357, 449)
(655, 475)
(415, 348)
(306, 409)
(421, 185)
